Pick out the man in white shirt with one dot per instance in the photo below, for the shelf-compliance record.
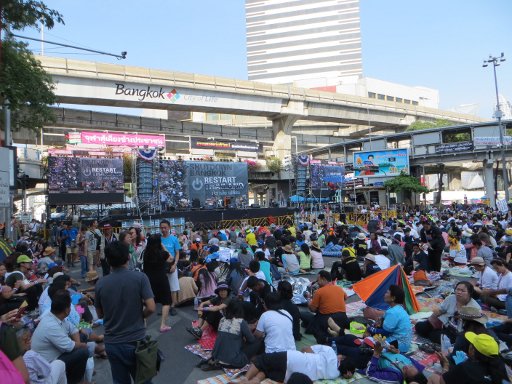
(275, 326)
(486, 277)
(318, 362)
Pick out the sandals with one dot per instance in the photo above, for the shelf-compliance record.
(196, 332)
(430, 348)
(165, 329)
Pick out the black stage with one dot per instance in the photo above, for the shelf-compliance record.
(209, 216)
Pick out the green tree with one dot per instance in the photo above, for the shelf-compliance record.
(23, 82)
(418, 125)
(405, 183)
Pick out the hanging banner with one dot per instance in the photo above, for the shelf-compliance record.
(492, 141)
(79, 180)
(122, 139)
(224, 145)
(455, 147)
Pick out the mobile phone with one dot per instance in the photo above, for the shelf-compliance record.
(21, 310)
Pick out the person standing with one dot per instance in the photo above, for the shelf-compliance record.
(431, 235)
(81, 242)
(68, 236)
(123, 300)
(156, 260)
(93, 244)
(107, 238)
(171, 245)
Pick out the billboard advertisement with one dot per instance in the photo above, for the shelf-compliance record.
(117, 139)
(215, 181)
(321, 174)
(225, 145)
(381, 163)
(81, 180)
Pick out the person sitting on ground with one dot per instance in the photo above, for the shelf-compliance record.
(210, 311)
(420, 258)
(347, 269)
(486, 277)
(275, 326)
(395, 325)
(483, 364)
(318, 362)
(56, 339)
(445, 319)
(492, 297)
(317, 261)
(245, 255)
(236, 276)
(290, 262)
(328, 302)
(391, 366)
(259, 289)
(39, 369)
(285, 291)
(370, 266)
(235, 344)
(264, 265)
(206, 281)
(304, 255)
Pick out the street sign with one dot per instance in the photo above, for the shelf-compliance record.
(5, 199)
(25, 217)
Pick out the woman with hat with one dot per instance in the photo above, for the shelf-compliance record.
(290, 261)
(317, 261)
(360, 245)
(483, 364)
(210, 311)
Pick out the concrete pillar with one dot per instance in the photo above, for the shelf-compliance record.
(488, 172)
(282, 127)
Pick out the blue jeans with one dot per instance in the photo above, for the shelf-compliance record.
(84, 267)
(122, 362)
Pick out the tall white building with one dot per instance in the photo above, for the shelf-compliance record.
(310, 43)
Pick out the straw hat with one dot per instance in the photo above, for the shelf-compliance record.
(460, 260)
(477, 261)
(288, 248)
(91, 276)
(48, 251)
(473, 314)
(361, 236)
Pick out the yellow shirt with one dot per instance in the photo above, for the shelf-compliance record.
(251, 239)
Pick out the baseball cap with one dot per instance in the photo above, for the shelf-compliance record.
(483, 343)
(23, 259)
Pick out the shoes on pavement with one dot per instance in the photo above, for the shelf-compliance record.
(165, 329)
(196, 332)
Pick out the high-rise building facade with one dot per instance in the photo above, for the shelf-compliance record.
(309, 43)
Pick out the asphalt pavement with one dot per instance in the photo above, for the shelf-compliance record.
(179, 365)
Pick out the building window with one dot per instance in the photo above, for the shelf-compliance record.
(381, 97)
(399, 100)
(372, 95)
(390, 98)
(414, 102)
(406, 101)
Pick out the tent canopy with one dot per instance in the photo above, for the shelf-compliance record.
(372, 289)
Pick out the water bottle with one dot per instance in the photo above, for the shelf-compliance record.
(334, 347)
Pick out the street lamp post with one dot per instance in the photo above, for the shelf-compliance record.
(496, 61)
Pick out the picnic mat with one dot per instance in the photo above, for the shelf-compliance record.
(235, 371)
(224, 379)
(196, 349)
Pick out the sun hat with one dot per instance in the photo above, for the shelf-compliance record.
(361, 236)
(23, 259)
(473, 314)
(460, 260)
(288, 248)
(91, 276)
(483, 343)
(198, 239)
(48, 251)
(477, 261)
(223, 287)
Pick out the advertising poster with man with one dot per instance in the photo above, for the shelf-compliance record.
(381, 163)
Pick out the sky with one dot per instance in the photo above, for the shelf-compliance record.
(437, 44)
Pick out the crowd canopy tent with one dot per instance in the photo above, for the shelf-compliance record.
(372, 289)
(5, 250)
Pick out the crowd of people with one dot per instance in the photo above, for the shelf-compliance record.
(241, 282)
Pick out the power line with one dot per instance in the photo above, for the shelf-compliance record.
(121, 56)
